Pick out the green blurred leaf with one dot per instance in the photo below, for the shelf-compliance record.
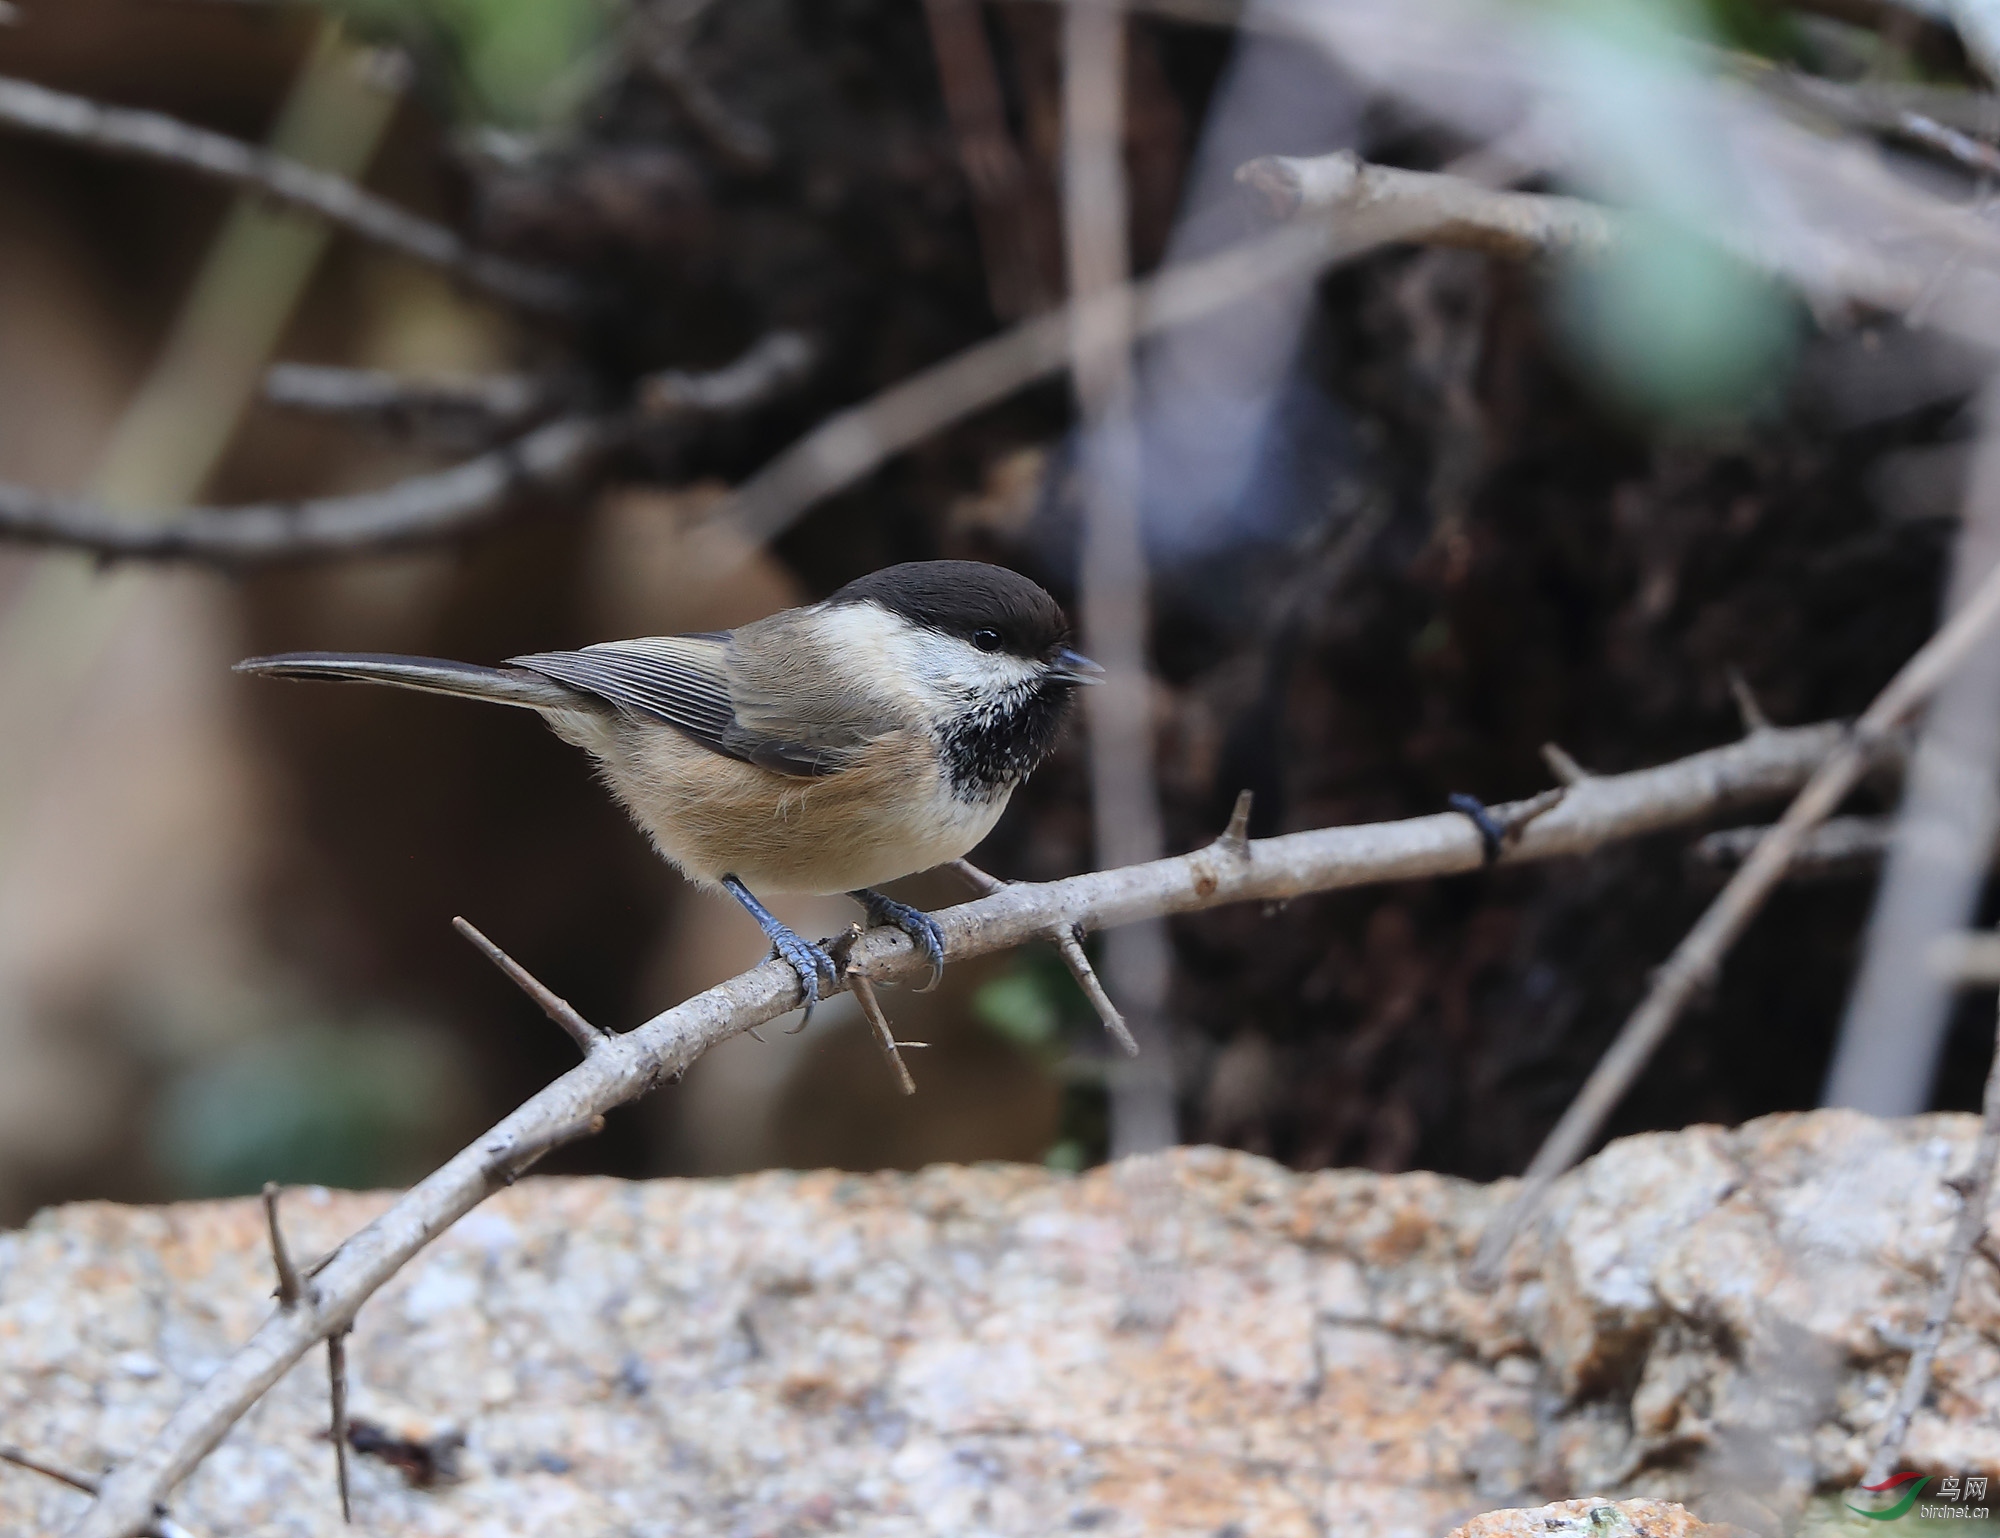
(315, 1105)
(1674, 325)
(1020, 1007)
(510, 63)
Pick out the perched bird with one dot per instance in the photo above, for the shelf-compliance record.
(829, 748)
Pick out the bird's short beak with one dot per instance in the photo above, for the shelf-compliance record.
(1074, 668)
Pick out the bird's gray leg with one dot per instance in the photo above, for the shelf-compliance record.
(812, 963)
(914, 922)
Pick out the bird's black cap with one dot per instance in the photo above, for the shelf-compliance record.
(963, 598)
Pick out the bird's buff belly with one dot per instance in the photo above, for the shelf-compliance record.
(891, 814)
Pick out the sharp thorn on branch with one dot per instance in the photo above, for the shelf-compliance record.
(336, 1382)
(1235, 839)
(161, 1526)
(289, 1288)
(1068, 941)
(587, 1036)
(1070, 948)
(1566, 769)
(982, 883)
(1747, 707)
(871, 1006)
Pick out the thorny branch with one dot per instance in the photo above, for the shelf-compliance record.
(1697, 960)
(1605, 808)
(1070, 948)
(154, 136)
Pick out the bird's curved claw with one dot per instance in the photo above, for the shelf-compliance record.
(813, 965)
(923, 930)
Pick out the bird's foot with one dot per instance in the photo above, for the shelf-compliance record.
(811, 962)
(886, 912)
(813, 965)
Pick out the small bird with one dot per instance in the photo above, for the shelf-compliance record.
(829, 748)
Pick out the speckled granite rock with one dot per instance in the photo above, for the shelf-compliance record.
(1594, 1517)
(1197, 1344)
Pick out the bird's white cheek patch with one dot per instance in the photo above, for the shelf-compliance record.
(941, 675)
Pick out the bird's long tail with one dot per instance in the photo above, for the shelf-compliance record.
(433, 675)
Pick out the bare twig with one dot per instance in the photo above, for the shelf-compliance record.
(1893, 1029)
(1968, 959)
(1431, 207)
(160, 1527)
(153, 136)
(425, 508)
(853, 443)
(1836, 847)
(586, 1036)
(1606, 808)
(1064, 938)
(1003, 205)
(871, 1006)
(1698, 958)
(1974, 155)
(289, 1291)
(1945, 123)
(490, 403)
(1113, 583)
(663, 40)
(1975, 1192)
(772, 365)
(336, 1388)
(47, 1470)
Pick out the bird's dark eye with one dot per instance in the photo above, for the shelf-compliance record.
(986, 640)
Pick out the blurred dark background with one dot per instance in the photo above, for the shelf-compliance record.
(225, 952)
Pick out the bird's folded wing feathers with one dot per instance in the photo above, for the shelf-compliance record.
(683, 680)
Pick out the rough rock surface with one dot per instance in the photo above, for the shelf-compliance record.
(1592, 1516)
(1197, 1344)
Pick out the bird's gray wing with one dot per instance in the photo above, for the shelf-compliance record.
(682, 680)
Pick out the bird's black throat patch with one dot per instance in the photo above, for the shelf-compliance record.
(988, 752)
